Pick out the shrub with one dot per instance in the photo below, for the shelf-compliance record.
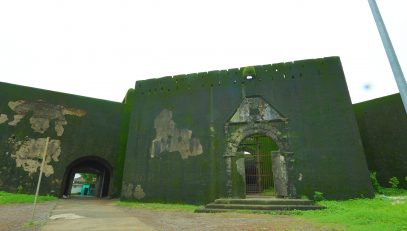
(318, 196)
(394, 182)
(375, 183)
(19, 189)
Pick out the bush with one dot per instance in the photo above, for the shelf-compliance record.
(394, 182)
(375, 183)
(19, 189)
(318, 196)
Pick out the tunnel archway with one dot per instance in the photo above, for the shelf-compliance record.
(89, 164)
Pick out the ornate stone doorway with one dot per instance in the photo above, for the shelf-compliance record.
(255, 117)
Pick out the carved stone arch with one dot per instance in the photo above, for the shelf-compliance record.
(245, 130)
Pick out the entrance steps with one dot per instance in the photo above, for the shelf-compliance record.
(258, 204)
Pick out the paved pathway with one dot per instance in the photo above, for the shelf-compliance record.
(92, 214)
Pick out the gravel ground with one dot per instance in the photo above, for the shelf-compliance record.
(177, 220)
(15, 217)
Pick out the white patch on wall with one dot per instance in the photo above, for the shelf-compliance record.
(129, 191)
(139, 192)
(3, 118)
(28, 155)
(169, 138)
(42, 114)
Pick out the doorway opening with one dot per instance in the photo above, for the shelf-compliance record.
(257, 150)
(87, 177)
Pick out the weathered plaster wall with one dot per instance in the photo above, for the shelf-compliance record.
(77, 127)
(383, 128)
(312, 94)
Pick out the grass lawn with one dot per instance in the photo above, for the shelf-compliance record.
(384, 212)
(158, 206)
(6, 198)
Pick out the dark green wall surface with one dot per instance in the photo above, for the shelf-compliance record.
(383, 128)
(94, 134)
(312, 94)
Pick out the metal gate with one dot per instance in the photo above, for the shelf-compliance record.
(257, 151)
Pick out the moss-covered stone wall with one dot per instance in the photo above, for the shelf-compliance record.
(177, 140)
(383, 128)
(77, 127)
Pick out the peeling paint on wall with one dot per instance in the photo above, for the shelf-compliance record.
(28, 155)
(43, 113)
(172, 139)
(16, 120)
(3, 118)
(139, 192)
(129, 191)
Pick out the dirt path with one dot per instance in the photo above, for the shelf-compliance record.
(14, 217)
(92, 214)
(176, 220)
(105, 215)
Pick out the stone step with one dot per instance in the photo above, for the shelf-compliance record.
(213, 210)
(264, 201)
(259, 204)
(262, 207)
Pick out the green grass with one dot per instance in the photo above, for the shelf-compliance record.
(268, 192)
(394, 192)
(6, 198)
(158, 206)
(384, 212)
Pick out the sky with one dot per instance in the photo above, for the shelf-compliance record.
(99, 48)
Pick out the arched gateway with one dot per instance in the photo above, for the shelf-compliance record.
(93, 165)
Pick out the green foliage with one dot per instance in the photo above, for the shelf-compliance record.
(384, 212)
(158, 206)
(20, 189)
(6, 198)
(88, 177)
(318, 196)
(394, 182)
(249, 71)
(394, 192)
(375, 183)
(268, 192)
